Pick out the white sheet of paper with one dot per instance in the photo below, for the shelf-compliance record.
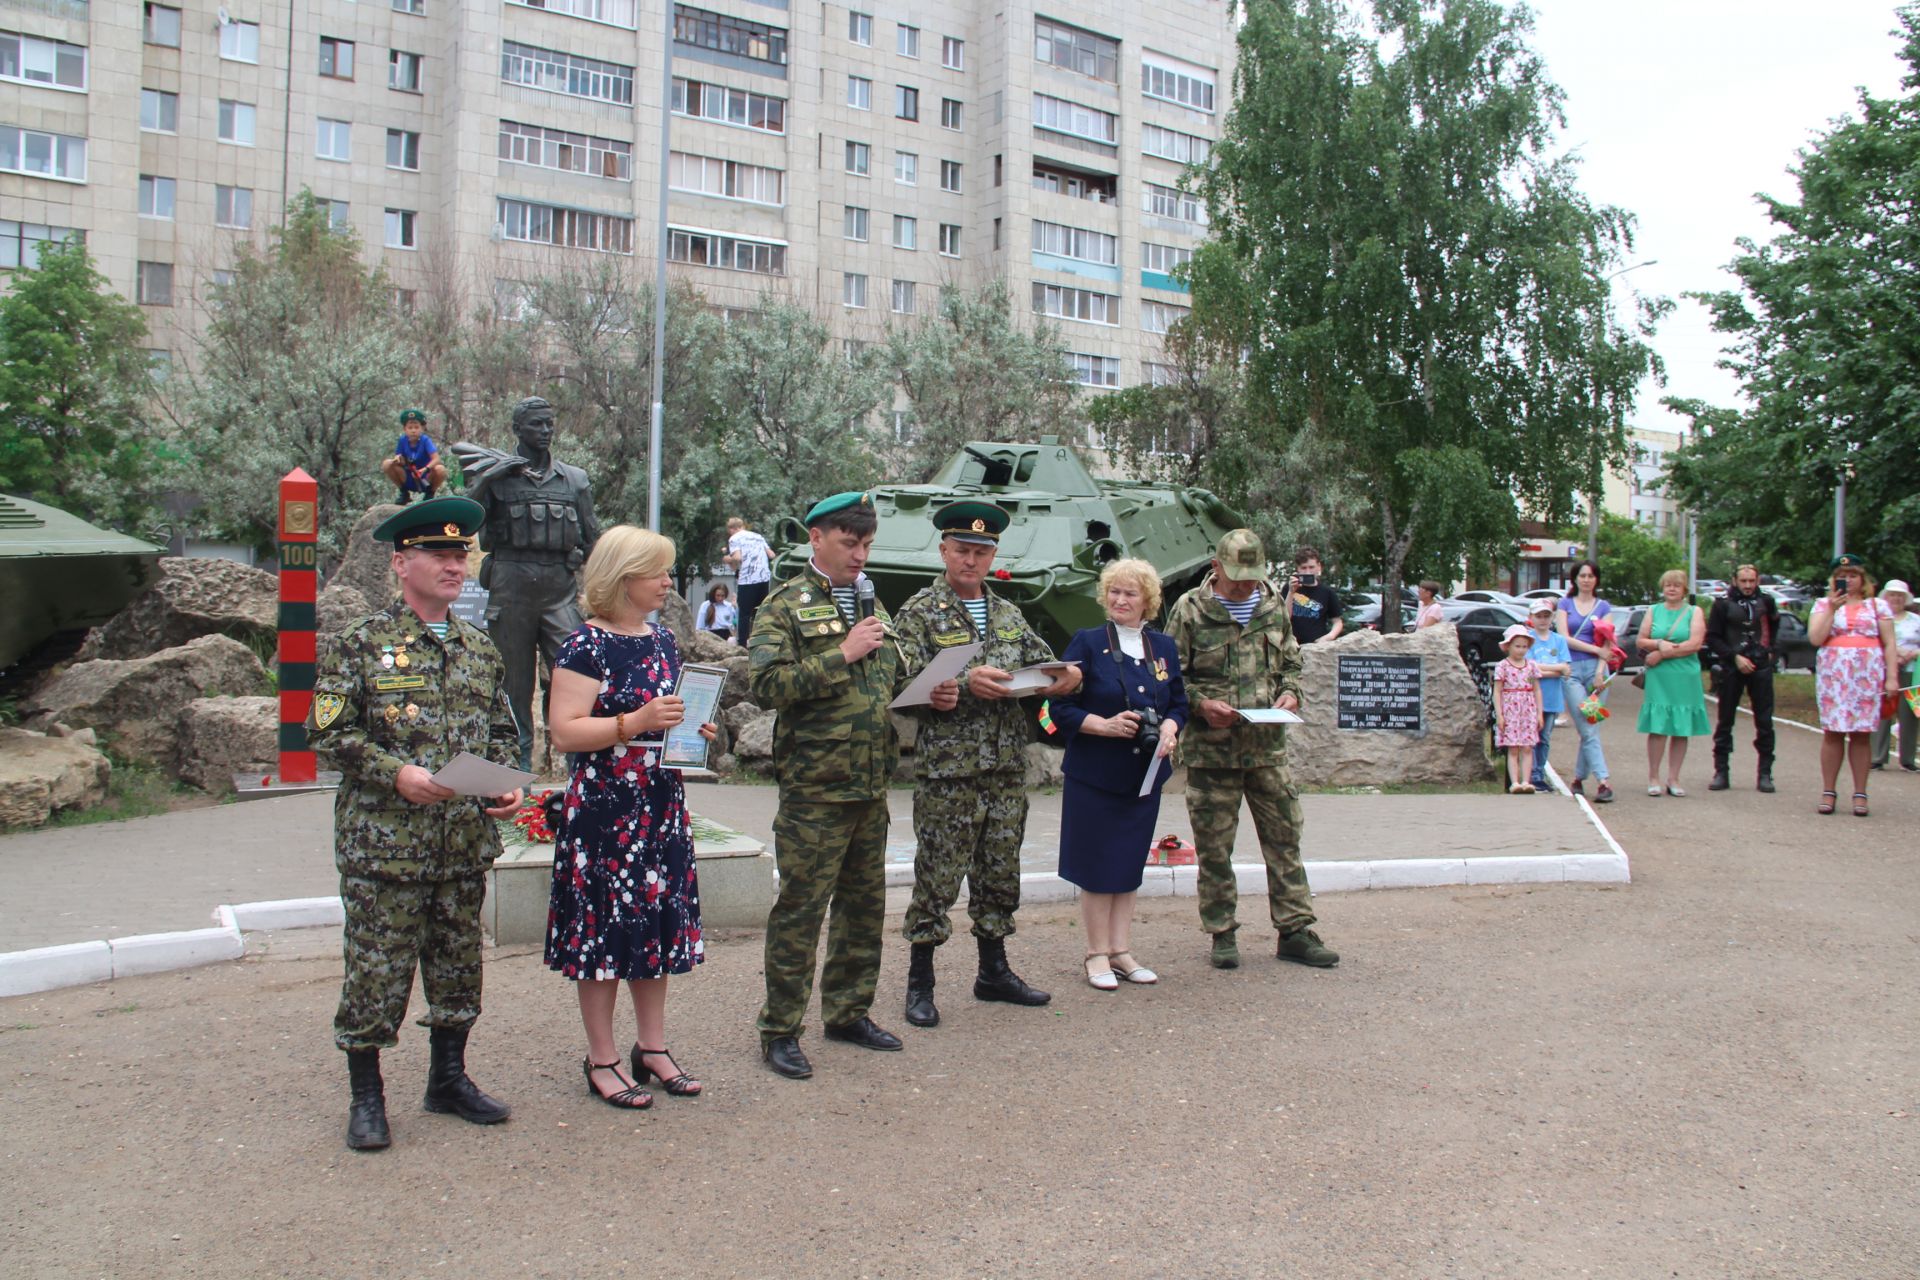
(1037, 676)
(946, 665)
(468, 775)
(1153, 772)
(699, 687)
(1267, 715)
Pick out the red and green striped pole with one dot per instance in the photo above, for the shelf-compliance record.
(299, 565)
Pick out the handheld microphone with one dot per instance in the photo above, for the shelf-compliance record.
(864, 594)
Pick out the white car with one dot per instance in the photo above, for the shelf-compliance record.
(1486, 597)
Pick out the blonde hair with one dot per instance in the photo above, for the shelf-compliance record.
(1140, 575)
(622, 552)
(1673, 575)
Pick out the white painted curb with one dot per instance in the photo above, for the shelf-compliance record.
(159, 952)
(44, 968)
(288, 913)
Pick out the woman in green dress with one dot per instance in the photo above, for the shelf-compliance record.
(1675, 708)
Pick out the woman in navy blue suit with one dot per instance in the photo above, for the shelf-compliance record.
(1130, 678)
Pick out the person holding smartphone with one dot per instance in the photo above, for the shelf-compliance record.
(1316, 608)
(1858, 666)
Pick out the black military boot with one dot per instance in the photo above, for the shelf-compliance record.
(448, 1089)
(920, 1008)
(1719, 782)
(996, 981)
(367, 1114)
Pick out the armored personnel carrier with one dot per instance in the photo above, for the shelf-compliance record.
(1066, 527)
(60, 575)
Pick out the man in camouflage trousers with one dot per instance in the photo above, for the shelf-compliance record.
(1237, 651)
(823, 656)
(400, 694)
(970, 808)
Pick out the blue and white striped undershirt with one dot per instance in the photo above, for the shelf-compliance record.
(439, 629)
(1239, 610)
(977, 610)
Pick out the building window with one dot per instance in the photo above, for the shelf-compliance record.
(566, 73)
(996, 233)
(1074, 184)
(1159, 317)
(907, 41)
(1169, 144)
(1072, 49)
(154, 284)
(156, 197)
(949, 240)
(1161, 375)
(339, 214)
(571, 152)
(906, 168)
(160, 24)
(404, 300)
(860, 93)
(740, 107)
(403, 149)
(1164, 259)
(950, 176)
(236, 122)
(728, 253)
(723, 34)
(902, 426)
(336, 58)
(999, 169)
(1094, 371)
(1174, 81)
(233, 207)
(42, 154)
(1066, 303)
(860, 27)
(159, 363)
(903, 297)
(950, 114)
(728, 179)
(853, 290)
(159, 111)
(953, 53)
(859, 158)
(51, 63)
(402, 229)
(853, 223)
(415, 7)
(21, 242)
(568, 228)
(906, 232)
(616, 13)
(404, 71)
(1062, 116)
(1075, 242)
(1165, 202)
(240, 41)
(332, 139)
(906, 102)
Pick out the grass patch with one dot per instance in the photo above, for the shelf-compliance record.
(135, 790)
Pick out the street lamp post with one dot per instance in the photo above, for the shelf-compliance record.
(656, 429)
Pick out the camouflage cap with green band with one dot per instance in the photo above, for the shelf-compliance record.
(1241, 557)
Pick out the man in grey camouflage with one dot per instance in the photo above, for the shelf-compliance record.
(398, 695)
(823, 657)
(970, 807)
(1237, 651)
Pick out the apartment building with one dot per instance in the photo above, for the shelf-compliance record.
(851, 159)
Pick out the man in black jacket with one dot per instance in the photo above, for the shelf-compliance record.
(1743, 632)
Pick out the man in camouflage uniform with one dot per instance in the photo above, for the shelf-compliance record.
(1230, 664)
(970, 808)
(823, 656)
(400, 694)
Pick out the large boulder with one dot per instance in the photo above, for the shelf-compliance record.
(739, 716)
(708, 647)
(1044, 765)
(735, 690)
(338, 607)
(754, 739)
(678, 618)
(367, 566)
(1446, 751)
(190, 599)
(220, 737)
(136, 704)
(40, 775)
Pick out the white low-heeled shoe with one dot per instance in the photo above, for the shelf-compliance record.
(1138, 973)
(1100, 979)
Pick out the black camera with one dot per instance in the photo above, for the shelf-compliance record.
(1148, 734)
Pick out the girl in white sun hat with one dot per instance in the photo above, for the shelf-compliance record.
(1516, 707)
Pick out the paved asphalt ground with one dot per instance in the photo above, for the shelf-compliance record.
(1710, 1072)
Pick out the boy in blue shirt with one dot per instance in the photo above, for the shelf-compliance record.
(1556, 660)
(415, 466)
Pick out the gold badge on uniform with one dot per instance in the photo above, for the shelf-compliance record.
(413, 711)
(392, 713)
(451, 530)
(327, 708)
(1159, 668)
(402, 660)
(979, 526)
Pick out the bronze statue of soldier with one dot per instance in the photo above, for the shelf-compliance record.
(538, 530)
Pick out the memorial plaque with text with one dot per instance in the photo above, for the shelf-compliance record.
(1378, 691)
(471, 605)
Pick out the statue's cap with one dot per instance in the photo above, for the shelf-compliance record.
(970, 521)
(413, 415)
(838, 502)
(439, 524)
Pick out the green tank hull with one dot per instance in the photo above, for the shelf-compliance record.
(60, 575)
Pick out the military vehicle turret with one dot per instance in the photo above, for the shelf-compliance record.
(1066, 527)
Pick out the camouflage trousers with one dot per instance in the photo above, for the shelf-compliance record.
(827, 854)
(968, 827)
(392, 926)
(1213, 807)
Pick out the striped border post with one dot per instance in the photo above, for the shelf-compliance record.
(299, 565)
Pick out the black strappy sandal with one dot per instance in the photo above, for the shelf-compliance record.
(1859, 804)
(681, 1086)
(1827, 801)
(632, 1098)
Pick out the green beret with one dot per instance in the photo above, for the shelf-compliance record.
(1847, 560)
(439, 524)
(417, 415)
(970, 521)
(838, 502)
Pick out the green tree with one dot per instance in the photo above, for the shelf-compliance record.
(1824, 332)
(1416, 279)
(1633, 557)
(74, 385)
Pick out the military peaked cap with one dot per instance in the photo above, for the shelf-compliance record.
(441, 524)
(969, 521)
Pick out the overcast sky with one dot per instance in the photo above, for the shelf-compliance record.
(1682, 110)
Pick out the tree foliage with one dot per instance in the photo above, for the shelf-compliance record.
(1417, 280)
(1824, 333)
(74, 383)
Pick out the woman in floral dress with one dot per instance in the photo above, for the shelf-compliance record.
(625, 904)
(1853, 630)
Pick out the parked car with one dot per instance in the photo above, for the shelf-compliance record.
(1786, 593)
(1543, 593)
(1366, 616)
(1487, 597)
(1481, 628)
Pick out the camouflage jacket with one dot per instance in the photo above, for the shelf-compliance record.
(833, 740)
(1250, 666)
(387, 694)
(980, 735)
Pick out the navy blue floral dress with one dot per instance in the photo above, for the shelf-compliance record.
(625, 902)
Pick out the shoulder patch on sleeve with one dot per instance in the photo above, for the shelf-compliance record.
(327, 708)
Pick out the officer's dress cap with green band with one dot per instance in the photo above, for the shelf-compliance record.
(981, 523)
(838, 502)
(413, 415)
(441, 524)
(1847, 560)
